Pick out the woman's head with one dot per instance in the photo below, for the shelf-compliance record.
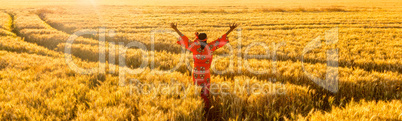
(202, 36)
(203, 39)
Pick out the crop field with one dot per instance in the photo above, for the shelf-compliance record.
(122, 62)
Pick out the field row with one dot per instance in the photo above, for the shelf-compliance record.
(362, 110)
(73, 22)
(5, 25)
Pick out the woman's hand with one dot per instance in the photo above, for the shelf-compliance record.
(232, 27)
(173, 25)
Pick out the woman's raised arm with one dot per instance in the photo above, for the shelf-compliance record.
(232, 27)
(174, 26)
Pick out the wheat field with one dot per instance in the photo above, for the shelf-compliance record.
(113, 83)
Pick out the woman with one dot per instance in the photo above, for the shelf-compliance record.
(202, 55)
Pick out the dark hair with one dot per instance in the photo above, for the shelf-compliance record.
(203, 44)
(202, 36)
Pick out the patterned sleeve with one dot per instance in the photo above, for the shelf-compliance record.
(220, 42)
(184, 41)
